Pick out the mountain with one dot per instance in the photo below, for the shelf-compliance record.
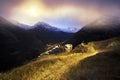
(17, 45)
(49, 34)
(101, 29)
(24, 26)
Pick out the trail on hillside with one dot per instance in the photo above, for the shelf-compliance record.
(100, 62)
(63, 65)
(48, 68)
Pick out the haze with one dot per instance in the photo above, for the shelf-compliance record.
(64, 14)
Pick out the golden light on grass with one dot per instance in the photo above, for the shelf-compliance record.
(52, 67)
(92, 64)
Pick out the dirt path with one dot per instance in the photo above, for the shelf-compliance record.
(61, 66)
(46, 68)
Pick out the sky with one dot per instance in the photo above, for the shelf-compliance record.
(68, 15)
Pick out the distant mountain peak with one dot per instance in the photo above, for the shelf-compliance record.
(44, 25)
(24, 26)
(101, 29)
(41, 23)
(5, 22)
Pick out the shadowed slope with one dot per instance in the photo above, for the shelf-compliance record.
(101, 29)
(47, 68)
(49, 34)
(103, 66)
(16, 45)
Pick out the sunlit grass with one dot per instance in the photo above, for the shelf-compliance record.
(48, 68)
(85, 62)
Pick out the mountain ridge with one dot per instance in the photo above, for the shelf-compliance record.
(19, 45)
(93, 32)
(49, 34)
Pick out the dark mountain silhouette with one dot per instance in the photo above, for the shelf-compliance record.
(21, 25)
(49, 34)
(101, 29)
(16, 45)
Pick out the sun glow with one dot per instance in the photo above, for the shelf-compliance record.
(28, 12)
(33, 11)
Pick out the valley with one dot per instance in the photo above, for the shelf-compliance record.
(94, 63)
(47, 53)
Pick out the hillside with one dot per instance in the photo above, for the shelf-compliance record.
(95, 62)
(16, 45)
(100, 29)
(19, 45)
(49, 34)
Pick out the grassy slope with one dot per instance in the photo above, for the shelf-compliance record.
(93, 65)
(103, 66)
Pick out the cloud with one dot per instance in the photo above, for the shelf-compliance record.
(64, 22)
(100, 5)
(110, 7)
(58, 12)
(103, 6)
(80, 2)
(7, 5)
